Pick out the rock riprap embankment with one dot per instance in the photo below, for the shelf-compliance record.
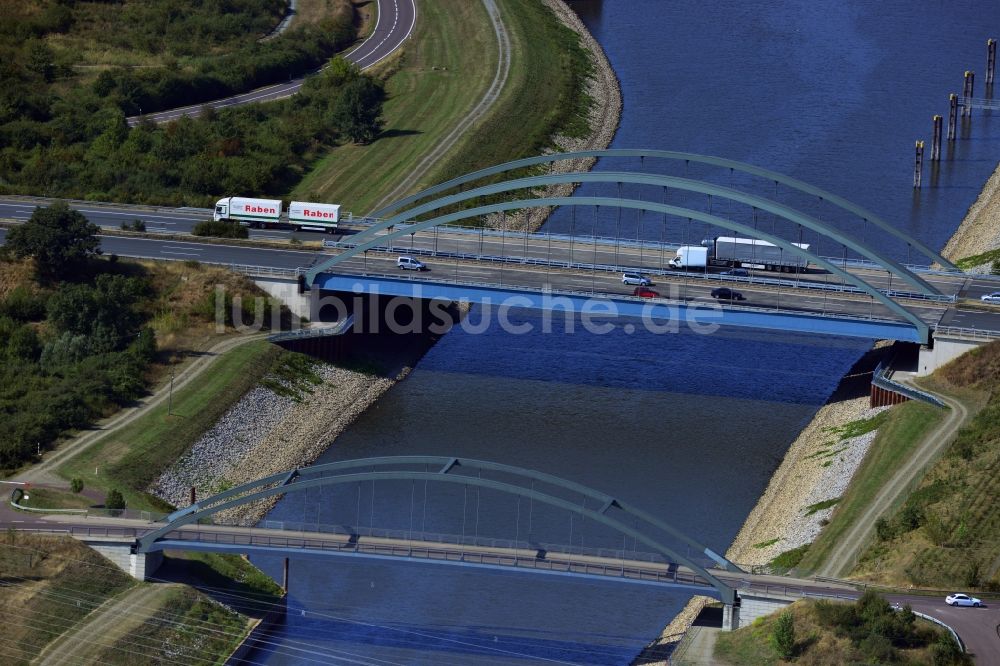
(213, 456)
(818, 467)
(266, 433)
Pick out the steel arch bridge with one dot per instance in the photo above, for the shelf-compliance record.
(733, 165)
(535, 486)
(370, 238)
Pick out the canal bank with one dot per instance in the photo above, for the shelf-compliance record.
(980, 229)
(820, 464)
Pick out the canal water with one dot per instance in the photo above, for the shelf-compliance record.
(687, 426)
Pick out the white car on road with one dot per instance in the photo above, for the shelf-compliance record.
(637, 279)
(411, 264)
(993, 297)
(959, 599)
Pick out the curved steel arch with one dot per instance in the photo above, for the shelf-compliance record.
(289, 482)
(918, 324)
(673, 182)
(794, 183)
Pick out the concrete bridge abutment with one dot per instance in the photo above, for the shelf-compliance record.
(751, 606)
(122, 553)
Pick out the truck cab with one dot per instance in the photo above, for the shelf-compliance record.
(221, 210)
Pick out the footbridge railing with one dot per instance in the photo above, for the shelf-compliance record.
(577, 499)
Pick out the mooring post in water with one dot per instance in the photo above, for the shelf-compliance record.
(952, 115)
(967, 90)
(918, 164)
(936, 140)
(991, 60)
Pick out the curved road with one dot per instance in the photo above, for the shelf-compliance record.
(484, 105)
(396, 19)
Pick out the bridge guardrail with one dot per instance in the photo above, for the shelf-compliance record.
(626, 242)
(552, 561)
(970, 333)
(613, 268)
(691, 302)
(243, 269)
(881, 378)
(317, 332)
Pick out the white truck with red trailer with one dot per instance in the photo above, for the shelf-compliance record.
(263, 213)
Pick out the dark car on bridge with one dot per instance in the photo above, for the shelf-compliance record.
(727, 294)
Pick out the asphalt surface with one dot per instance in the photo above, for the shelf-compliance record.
(761, 289)
(396, 19)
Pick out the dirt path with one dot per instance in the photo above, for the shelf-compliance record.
(102, 628)
(44, 472)
(843, 556)
(484, 105)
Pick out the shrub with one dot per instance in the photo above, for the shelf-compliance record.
(23, 305)
(783, 635)
(57, 238)
(220, 229)
(114, 500)
(76, 485)
(134, 225)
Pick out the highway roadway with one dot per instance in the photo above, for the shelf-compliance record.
(396, 19)
(762, 289)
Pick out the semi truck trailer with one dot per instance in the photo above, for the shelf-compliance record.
(740, 253)
(263, 213)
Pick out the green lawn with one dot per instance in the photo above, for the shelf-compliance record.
(446, 68)
(131, 458)
(902, 430)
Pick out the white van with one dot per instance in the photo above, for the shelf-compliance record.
(409, 263)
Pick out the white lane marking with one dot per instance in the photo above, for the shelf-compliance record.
(395, 22)
(405, 37)
(136, 214)
(378, 19)
(190, 254)
(199, 246)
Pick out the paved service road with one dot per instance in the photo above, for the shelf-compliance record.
(396, 19)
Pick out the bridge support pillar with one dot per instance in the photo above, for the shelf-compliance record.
(730, 617)
(138, 565)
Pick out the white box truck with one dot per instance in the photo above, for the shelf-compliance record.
(313, 216)
(268, 213)
(739, 252)
(690, 256)
(248, 212)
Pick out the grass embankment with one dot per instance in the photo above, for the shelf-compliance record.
(947, 532)
(77, 350)
(443, 73)
(447, 66)
(898, 434)
(131, 458)
(825, 632)
(61, 599)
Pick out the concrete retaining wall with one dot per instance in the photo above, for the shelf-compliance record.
(944, 350)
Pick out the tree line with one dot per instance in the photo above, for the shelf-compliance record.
(74, 343)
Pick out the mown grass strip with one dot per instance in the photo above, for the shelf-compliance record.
(905, 426)
(131, 458)
(444, 72)
(447, 66)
